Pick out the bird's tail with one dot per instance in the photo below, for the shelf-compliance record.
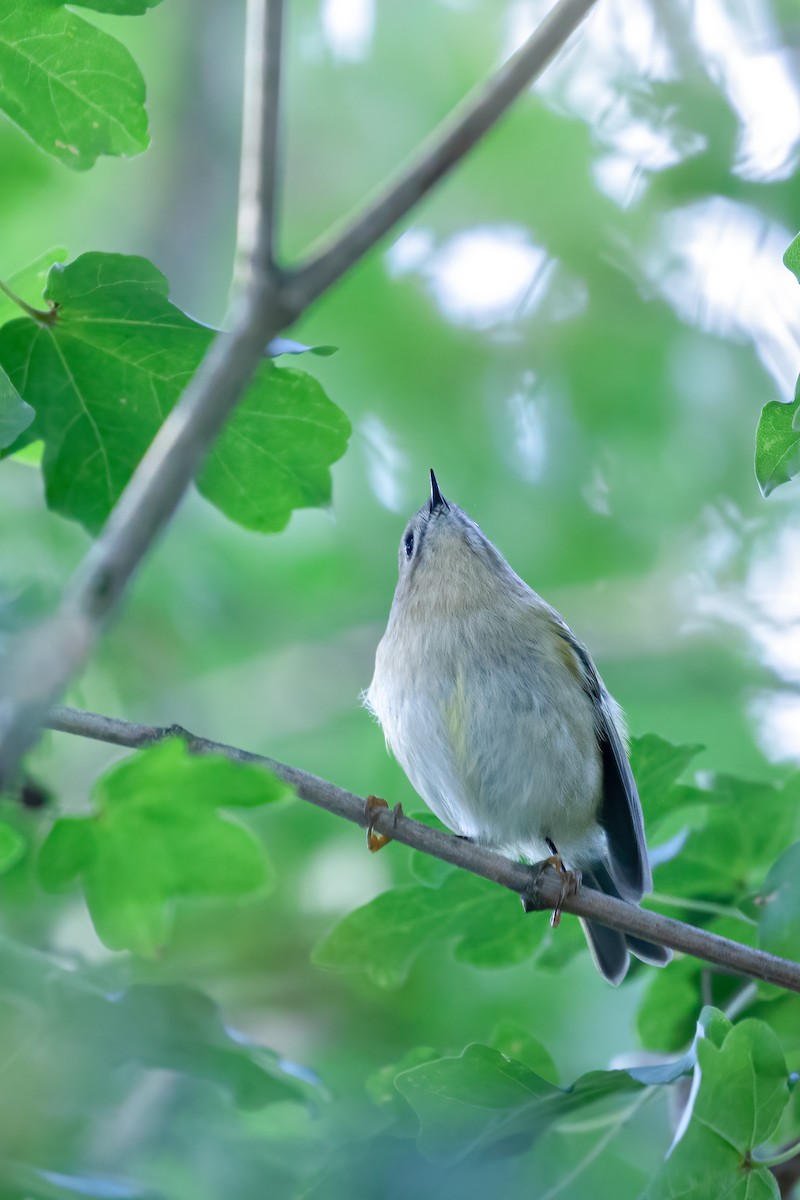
(611, 949)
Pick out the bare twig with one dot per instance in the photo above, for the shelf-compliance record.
(39, 667)
(539, 885)
(442, 150)
(258, 173)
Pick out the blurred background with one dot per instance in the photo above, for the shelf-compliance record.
(578, 332)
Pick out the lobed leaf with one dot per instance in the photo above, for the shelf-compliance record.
(383, 937)
(178, 1028)
(158, 835)
(170, 1027)
(73, 88)
(738, 1098)
(274, 454)
(484, 1100)
(726, 860)
(105, 373)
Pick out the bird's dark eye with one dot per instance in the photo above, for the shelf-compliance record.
(408, 542)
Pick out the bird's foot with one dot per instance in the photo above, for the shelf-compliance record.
(570, 881)
(372, 806)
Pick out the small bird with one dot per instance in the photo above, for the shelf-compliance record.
(499, 718)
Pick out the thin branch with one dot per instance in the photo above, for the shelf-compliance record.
(538, 884)
(453, 139)
(258, 173)
(40, 665)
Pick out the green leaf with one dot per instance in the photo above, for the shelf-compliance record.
(178, 1028)
(483, 1099)
(15, 414)
(740, 1093)
(727, 859)
(779, 907)
(74, 89)
(12, 846)
(791, 258)
(103, 376)
(743, 1085)
(667, 1016)
(157, 836)
(514, 1042)
(705, 1167)
(713, 1025)
(657, 765)
(384, 936)
(173, 1027)
(777, 445)
(274, 454)
(668, 1012)
(68, 850)
(383, 1092)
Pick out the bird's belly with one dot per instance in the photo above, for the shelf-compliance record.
(508, 766)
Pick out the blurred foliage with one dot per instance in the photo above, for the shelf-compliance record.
(578, 329)
(156, 835)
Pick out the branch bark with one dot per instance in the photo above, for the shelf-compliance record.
(258, 172)
(41, 665)
(537, 883)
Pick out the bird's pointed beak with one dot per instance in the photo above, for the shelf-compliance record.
(437, 499)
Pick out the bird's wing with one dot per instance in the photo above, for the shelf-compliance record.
(620, 810)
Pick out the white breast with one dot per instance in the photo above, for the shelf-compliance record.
(499, 742)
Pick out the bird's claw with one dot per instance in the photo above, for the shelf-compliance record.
(570, 882)
(372, 806)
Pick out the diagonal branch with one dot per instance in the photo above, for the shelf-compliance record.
(538, 884)
(453, 139)
(40, 666)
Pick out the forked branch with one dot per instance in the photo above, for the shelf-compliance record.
(40, 666)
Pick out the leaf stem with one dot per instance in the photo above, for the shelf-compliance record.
(707, 906)
(41, 315)
(740, 1001)
(775, 1160)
